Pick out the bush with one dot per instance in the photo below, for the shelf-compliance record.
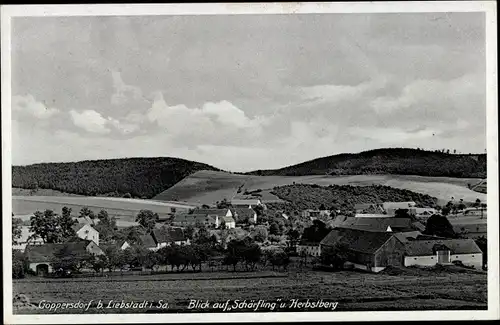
(127, 196)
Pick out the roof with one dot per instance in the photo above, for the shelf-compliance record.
(407, 236)
(148, 240)
(45, 252)
(245, 202)
(428, 247)
(168, 235)
(357, 240)
(373, 208)
(228, 219)
(212, 212)
(398, 205)
(243, 214)
(192, 218)
(377, 224)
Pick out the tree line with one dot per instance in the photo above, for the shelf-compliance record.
(134, 177)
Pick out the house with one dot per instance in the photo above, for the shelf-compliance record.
(480, 212)
(40, 256)
(309, 248)
(120, 245)
(373, 215)
(229, 222)
(316, 214)
(27, 238)
(369, 208)
(86, 231)
(367, 250)
(191, 219)
(422, 212)
(159, 238)
(391, 207)
(246, 203)
(244, 215)
(214, 212)
(377, 224)
(443, 251)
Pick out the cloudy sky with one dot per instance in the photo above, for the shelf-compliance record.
(246, 92)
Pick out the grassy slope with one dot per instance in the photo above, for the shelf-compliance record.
(141, 177)
(389, 161)
(207, 187)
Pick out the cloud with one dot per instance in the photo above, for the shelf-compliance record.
(90, 121)
(123, 92)
(389, 136)
(28, 106)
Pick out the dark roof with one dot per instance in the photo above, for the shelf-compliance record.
(243, 214)
(147, 240)
(45, 252)
(168, 235)
(377, 224)
(357, 240)
(192, 218)
(407, 236)
(211, 212)
(429, 247)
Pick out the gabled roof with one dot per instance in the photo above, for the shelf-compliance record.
(168, 235)
(147, 240)
(429, 247)
(245, 202)
(357, 240)
(407, 236)
(45, 252)
(398, 205)
(192, 218)
(377, 224)
(228, 219)
(211, 212)
(243, 214)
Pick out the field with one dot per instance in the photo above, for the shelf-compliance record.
(207, 187)
(352, 290)
(125, 210)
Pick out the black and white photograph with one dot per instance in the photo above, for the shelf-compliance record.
(266, 162)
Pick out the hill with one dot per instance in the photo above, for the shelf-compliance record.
(140, 177)
(389, 161)
(207, 187)
(343, 197)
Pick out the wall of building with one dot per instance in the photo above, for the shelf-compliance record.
(33, 266)
(309, 250)
(92, 234)
(475, 259)
(391, 253)
(421, 260)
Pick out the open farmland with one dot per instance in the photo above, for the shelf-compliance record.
(207, 187)
(125, 210)
(353, 290)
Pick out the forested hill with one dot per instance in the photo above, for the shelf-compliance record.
(140, 177)
(389, 161)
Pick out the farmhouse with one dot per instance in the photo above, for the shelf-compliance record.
(40, 256)
(245, 215)
(86, 231)
(214, 212)
(369, 208)
(308, 248)
(27, 238)
(379, 224)
(159, 238)
(184, 220)
(246, 203)
(316, 214)
(391, 207)
(369, 251)
(443, 251)
(120, 245)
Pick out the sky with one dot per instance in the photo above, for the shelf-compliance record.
(246, 92)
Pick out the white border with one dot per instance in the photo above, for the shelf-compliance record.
(489, 7)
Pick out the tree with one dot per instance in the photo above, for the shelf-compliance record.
(16, 230)
(46, 226)
(67, 260)
(66, 223)
(335, 256)
(461, 205)
(98, 263)
(152, 261)
(477, 203)
(224, 204)
(106, 227)
(86, 212)
(259, 209)
(293, 236)
(189, 232)
(438, 225)
(322, 207)
(274, 229)
(260, 234)
(19, 264)
(316, 232)
(147, 219)
(251, 254)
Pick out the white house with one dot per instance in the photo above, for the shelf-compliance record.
(309, 248)
(86, 231)
(443, 251)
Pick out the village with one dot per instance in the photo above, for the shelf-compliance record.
(246, 235)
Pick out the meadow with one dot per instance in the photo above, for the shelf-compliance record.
(352, 290)
(207, 187)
